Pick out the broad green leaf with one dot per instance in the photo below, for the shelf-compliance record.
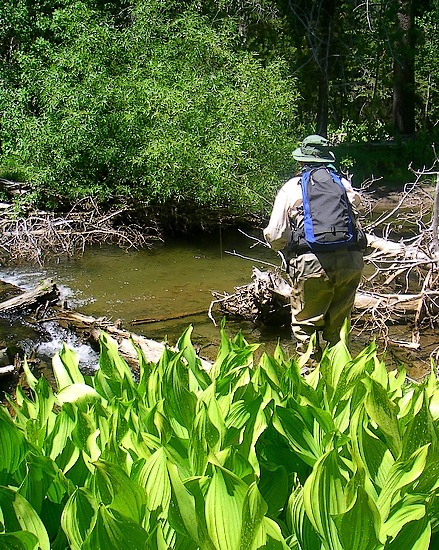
(368, 449)
(81, 394)
(18, 514)
(429, 479)
(274, 487)
(184, 344)
(254, 509)
(199, 448)
(301, 526)
(70, 360)
(324, 498)
(110, 361)
(153, 477)
(383, 411)
(231, 459)
(115, 489)
(335, 360)
(415, 535)
(434, 403)
(245, 422)
(297, 425)
(112, 531)
(22, 540)
(420, 430)
(217, 409)
(84, 428)
(270, 536)
(44, 401)
(405, 511)
(30, 378)
(401, 474)
(61, 374)
(186, 513)
(351, 373)
(224, 508)
(40, 474)
(13, 444)
(359, 526)
(224, 349)
(179, 401)
(78, 517)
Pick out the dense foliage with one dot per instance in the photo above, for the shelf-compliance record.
(250, 455)
(202, 102)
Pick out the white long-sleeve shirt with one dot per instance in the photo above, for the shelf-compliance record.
(286, 204)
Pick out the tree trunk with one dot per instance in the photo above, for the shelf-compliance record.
(324, 26)
(404, 70)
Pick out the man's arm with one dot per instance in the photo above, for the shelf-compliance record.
(278, 229)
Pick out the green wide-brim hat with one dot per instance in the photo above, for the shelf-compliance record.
(314, 149)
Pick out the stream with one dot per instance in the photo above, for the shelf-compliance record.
(173, 279)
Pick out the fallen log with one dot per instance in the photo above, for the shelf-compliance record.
(164, 318)
(45, 294)
(90, 329)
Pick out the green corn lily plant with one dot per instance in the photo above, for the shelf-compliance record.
(248, 455)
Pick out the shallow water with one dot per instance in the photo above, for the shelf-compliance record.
(173, 279)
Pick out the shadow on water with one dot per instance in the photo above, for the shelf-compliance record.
(174, 279)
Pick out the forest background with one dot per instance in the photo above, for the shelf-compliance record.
(199, 103)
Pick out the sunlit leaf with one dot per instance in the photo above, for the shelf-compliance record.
(405, 511)
(383, 411)
(254, 509)
(185, 345)
(420, 430)
(78, 517)
(359, 526)
(154, 479)
(185, 514)
(115, 489)
(21, 540)
(18, 514)
(402, 473)
(301, 526)
(415, 535)
(297, 425)
(70, 360)
(111, 531)
(224, 508)
(324, 498)
(110, 361)
(79, 394)
(13, 444)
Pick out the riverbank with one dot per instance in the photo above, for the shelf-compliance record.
(171, 283)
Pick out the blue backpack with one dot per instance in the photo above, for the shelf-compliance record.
(328, 220)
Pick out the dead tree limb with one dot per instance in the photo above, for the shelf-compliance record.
(90, 328)
(46, 293)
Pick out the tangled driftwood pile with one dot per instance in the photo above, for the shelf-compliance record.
(36, 237)
(401, 277)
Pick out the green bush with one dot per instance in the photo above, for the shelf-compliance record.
(244, 456)
(164, 109)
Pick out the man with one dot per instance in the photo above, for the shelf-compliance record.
(324, 283)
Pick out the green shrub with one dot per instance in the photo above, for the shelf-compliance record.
(244, 456)
(164, 109)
